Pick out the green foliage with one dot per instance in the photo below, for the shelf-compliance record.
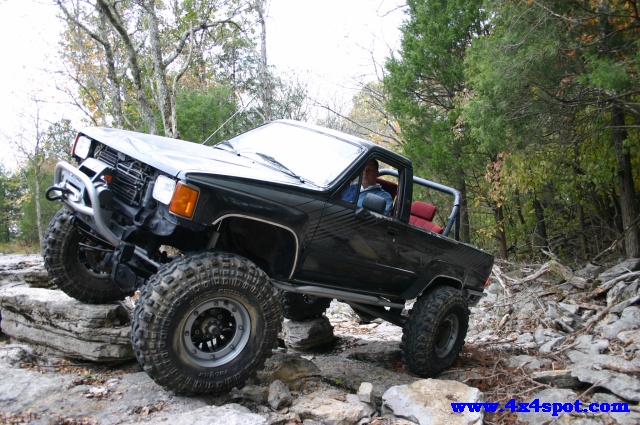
(524, 106)
(130, 61)
(606, 74)
(10, 189)
(425, 83)
(26, 221)
(200, 113)
(539, 88)
(24, 190)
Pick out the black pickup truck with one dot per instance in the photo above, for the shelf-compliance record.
(222, 241)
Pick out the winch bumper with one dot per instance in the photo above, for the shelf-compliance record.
(85, 195)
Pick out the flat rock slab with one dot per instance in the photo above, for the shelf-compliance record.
(51, 319)
(602, 371)
(428, 402)
(332, 407)
(85, 398)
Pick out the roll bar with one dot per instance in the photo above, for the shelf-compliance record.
(454, 216)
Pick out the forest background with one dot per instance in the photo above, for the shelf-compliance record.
(530, 108)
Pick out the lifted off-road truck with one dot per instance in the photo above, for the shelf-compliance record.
(223, 241)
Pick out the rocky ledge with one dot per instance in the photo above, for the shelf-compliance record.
(543, 332)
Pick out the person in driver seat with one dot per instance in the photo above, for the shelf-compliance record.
(370, 175)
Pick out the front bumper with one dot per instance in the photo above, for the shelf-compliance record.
(85, 195)
(84, 191)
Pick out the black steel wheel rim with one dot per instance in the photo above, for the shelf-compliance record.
(216, 331)
(447, 335)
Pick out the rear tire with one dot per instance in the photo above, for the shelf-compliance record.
(435, 332)
(73, 266)
(205, 323)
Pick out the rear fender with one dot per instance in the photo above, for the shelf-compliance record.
(438, 273)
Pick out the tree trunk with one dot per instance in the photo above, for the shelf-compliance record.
(625, 184)
(583, 237)
(540, 231)
(134, 66)
(265, 89)
(501, 236)
(163, 99)
(39, 210)
(114, 88)
(464, 212)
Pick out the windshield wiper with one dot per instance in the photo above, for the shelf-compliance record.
(280, 165)
(229, 145)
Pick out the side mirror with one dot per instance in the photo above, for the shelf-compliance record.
(374, 203)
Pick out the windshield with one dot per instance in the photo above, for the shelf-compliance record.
(299, 152)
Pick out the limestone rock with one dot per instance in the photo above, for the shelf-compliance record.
(428, 401)
(550, 395)
(602, 371)
(527, 363)
(551, 345)
(15, 354)
(543, 335)
(626, 266)
(387, 355)
(38, 279)
(229, 414)
(279, 395)
(365, 393)
(628, 320)
(589, 271)
(292, 370)
(309, 334)
(622, 418)
(589, 345)
(556, 378)
(331, 407)
(350, 374)
(51, 319)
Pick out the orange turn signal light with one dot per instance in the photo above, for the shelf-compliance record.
(184, 200)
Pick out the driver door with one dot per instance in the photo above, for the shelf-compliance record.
(352, 247)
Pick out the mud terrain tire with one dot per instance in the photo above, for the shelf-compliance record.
(73, 269)
(299, 307)
(435, 331)
(205, 323)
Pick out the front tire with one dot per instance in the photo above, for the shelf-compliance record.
(72, 260)
(205, 323)
(435, 332)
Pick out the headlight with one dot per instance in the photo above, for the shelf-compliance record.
(81, 147)
(182, 199)
(163, 189)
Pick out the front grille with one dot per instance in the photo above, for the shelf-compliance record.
(130, 178)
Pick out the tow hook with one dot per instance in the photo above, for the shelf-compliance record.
(63, 191)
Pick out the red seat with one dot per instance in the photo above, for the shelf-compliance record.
(389, 187)
(422, 215)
